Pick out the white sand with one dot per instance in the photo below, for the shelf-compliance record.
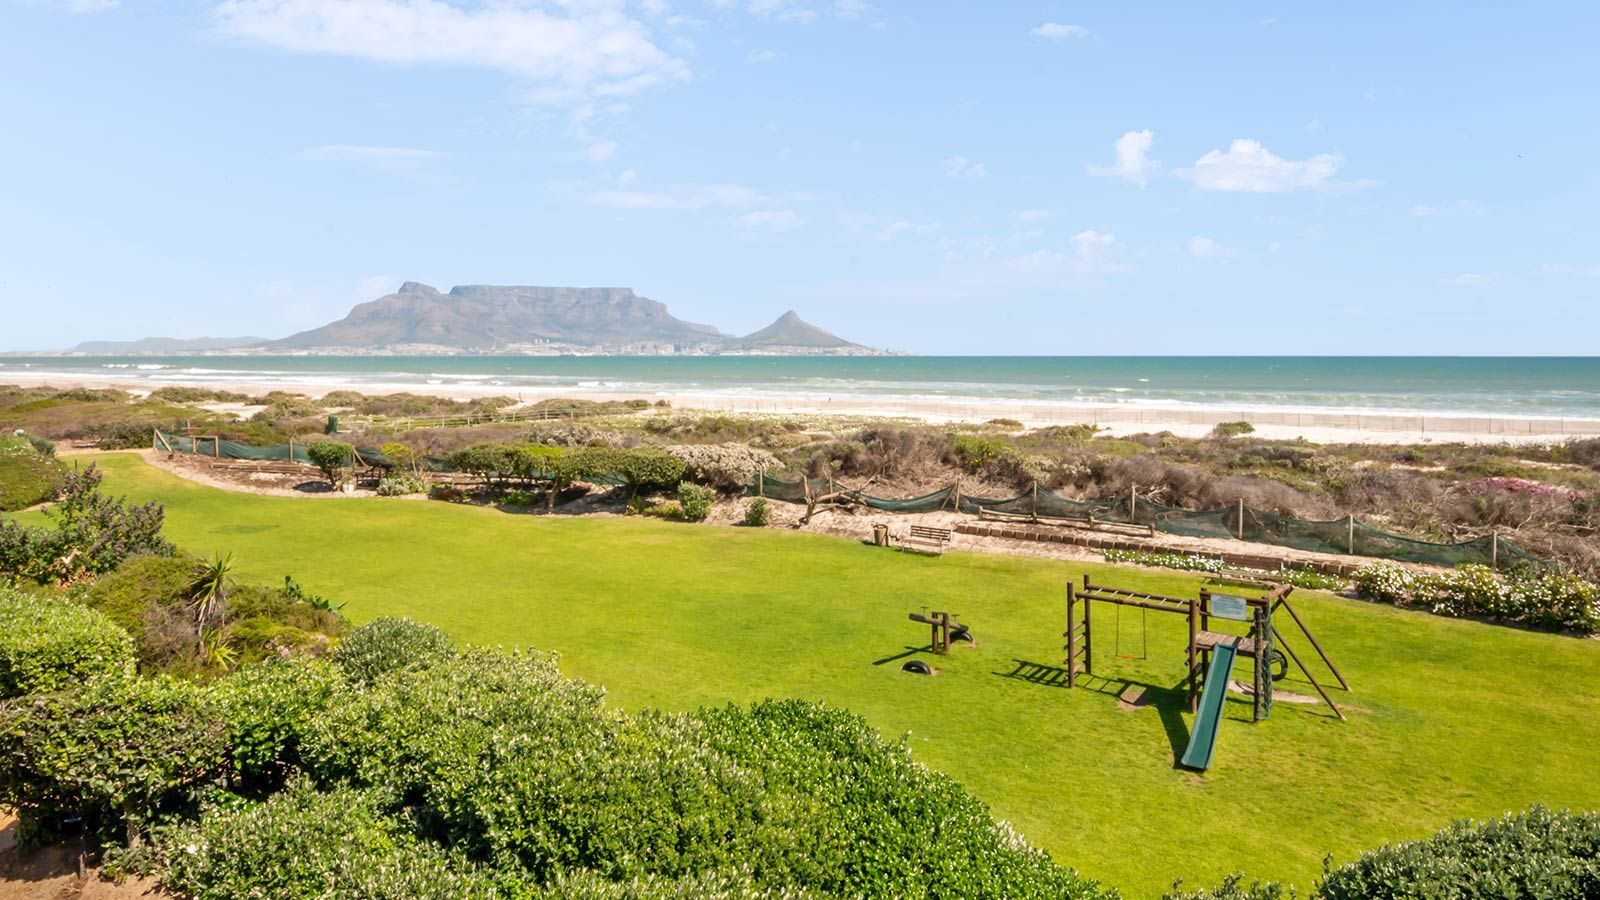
(1277, 424)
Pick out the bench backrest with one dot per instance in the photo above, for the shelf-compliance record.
(925, 531)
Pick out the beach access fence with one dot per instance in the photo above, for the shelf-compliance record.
(1239, 521)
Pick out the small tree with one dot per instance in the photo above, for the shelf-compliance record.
(404, 456)
(695, 500)
(758, 514)
(332, 457)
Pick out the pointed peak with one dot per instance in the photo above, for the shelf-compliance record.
(789, 316)
(417, 287)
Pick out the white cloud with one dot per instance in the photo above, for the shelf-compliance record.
(866, 228)
(1092, 251)
(786, 11)
(627, 177)
(77, 7)
(600, 151)
(1466, 279)
(1248, 166)
(959, 166)
(773, 220)
(689, 197)
(1034, 215)
(761, 56)
(1574, 271)
(1056, 31)
(1207, 249)
(1455, 208)
(574, 51)
(1314, 125)
(853, 9)
(404, 161)
(1133, 162)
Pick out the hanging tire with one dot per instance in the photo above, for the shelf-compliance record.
(1277, 664)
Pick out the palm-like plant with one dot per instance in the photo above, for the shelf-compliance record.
(208, 593)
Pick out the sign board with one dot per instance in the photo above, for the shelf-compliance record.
(1225, 606)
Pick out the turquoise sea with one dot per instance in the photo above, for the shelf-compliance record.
(1492, 386)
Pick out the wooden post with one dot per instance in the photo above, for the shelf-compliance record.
(1241, 518)
(216, 443)
(291, 449)
(1494, 550)
(1133, 503)
(1350, 542)
(761, 483)
(1072, 641)
(1033, 508)
(1194, 636)
(1088, 631)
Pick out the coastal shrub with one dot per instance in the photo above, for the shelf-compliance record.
(267, 707)
(1543, 599)
(726, 467)
(330, 456)
(48, 644)
(401, 485)
(302, 843)
(1536, 853)
(1232, 887)
(28, 474)
(449, 493)
(1184, 562)
(180, 394)
(695, 501)
(643, 468)
(493, 464)
(92, 534)
(672, 510)
(404, 457)
(975, 453)
(1225, 430)
(114, 752)
(389, 644)
(758, 513)
(537, 462)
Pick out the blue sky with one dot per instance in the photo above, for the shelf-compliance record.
(1051, 178)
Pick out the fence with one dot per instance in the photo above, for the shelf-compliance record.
(1239, 521)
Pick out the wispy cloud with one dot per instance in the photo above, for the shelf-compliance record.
(867, 228)
(959, 166)
(775, 221)
(1057, 31)
(1093, 253)
(572, 51)
(1248, 166)
(1204, 248)
(1467, 280)
(687, 197)
(409, 162)
(761, 56)
(76, 7)
(1132, 162)
(1570, 270)
(1454, 208)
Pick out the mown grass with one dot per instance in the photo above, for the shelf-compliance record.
(1449, 718)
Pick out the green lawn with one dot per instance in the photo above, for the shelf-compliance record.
(1448, 718)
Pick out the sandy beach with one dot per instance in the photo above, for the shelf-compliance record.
(1317, 426)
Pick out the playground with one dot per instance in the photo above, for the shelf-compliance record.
(1444, 718)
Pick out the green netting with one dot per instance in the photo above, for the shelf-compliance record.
(1342, 536)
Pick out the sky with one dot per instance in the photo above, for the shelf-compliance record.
(1056, 178)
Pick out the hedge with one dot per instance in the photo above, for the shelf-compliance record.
(47, 644)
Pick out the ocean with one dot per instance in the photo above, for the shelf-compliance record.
(1472, 386)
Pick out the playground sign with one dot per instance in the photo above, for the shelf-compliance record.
(1225, 606)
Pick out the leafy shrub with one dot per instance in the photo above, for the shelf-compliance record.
(1545, 599)
(726, 467)
(1225, 430)
(672, 510)
(493, 463)
(114, 752)
(1012, 424)
(301, 843)
(758, 513)
(28, 474)
(389, 644)
(975, 453)
(331, 456)
(267, 707)
(449, 493)
(93, 534)
(695, 500)
(1232, 888)
(640, 469)
(1184, 562)
(1537, 853)
(48, 644)
(401, 485)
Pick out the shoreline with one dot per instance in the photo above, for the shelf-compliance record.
(1313, 425)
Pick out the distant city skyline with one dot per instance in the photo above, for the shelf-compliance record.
(1040, 178)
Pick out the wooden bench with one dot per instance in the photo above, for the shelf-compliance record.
(926, 539)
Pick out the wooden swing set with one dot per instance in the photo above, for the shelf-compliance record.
(1264, 642)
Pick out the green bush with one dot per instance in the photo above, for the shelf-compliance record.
(330, 456)
(93, 534)
(726, 467)
(301, 843)
(1537, 853)
(114, 752)
(389, 644)
(974, 453)
(28, 474)
(695, 501)
(1232, 888)
(1225, 430)
(1545, 599)
(267, 707)
(49, 644)
(758, 513)
(127, 594)
(401, 485)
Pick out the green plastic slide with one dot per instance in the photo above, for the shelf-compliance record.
(1204, 737)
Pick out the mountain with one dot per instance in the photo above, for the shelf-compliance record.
(486, 317)
(790, 332)
(154, 345)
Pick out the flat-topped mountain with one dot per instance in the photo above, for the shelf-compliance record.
(790, 332)
(486, 317)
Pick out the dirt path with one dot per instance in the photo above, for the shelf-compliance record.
(51, 873)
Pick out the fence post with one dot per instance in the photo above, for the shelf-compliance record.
(1350, 541)
(761, 483)
(1241, 518)
(1033, 507)
(1494, 549)
(1133, 503)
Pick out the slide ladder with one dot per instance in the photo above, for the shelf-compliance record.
(1204, 738)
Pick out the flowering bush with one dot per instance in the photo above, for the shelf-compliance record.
(1185, 562)
(1524, 486)
(400, 485)
(1557, 600)
(726, 467)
